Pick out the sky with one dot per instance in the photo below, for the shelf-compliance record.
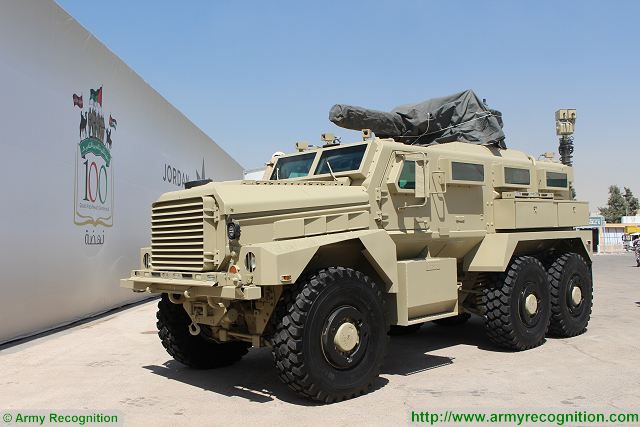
(258, 76)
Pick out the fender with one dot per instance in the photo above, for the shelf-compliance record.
(495, 250)
(282, 262)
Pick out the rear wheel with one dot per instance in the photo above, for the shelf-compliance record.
(515, 305)
(331, 335)
(571, 295)
(195, 351)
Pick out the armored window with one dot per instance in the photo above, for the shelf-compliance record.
(407, 179)
(292, 167)
(557, 179)
(341, 159)
(517, 176)
(467, 171)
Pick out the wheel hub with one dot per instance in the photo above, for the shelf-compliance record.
(531, 304)
(346, 337)
(576, 295)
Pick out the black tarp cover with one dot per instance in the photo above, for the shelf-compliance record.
(458, 117)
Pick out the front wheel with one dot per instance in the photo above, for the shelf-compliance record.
(331, 335)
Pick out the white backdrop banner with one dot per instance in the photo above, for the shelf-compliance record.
(86, 146)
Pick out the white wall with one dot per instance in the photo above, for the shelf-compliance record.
(254, 174)
(50, 273)
(611, 239)
(630, 220)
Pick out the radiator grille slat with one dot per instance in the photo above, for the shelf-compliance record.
(177, 235)
(168, 206)
(177, 213)
(160, 250)
(176, 224)
(180, 234)
(176, 258)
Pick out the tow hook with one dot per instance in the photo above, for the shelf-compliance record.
(194, 329)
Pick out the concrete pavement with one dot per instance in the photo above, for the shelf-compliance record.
(117, 363)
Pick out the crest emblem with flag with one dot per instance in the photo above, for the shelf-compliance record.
(94, 187)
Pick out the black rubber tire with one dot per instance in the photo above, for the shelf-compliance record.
(195, 351)
(567, 319)
(302, 324)
(397, 330)
(502, 303)
(458, 320)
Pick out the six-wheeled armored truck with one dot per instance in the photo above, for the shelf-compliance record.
(340, 243)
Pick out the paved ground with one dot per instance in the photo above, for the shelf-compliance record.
(117, 363)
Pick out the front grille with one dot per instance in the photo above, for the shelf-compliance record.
(178, 232)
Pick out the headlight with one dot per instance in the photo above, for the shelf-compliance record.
(233, 230)
(250, 262)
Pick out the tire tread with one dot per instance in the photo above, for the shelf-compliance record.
(558, 326)
(496, 308)
(291, 314)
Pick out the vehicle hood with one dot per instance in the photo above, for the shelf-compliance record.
(248, 197)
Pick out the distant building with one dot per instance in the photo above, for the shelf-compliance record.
(254, 174)
(86, 147)
(607, 238)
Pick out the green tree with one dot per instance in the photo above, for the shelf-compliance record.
(631, 201)
(616, 206)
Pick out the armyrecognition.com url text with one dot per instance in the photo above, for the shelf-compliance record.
(42, 417)
(559, 418)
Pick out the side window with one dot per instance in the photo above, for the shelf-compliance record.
(557, 179)
(467, 171)
(516, 176)
(407, 179)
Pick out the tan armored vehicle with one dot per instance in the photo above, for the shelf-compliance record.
(339, 243)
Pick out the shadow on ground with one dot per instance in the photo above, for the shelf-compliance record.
(254, 378)
(409, 354)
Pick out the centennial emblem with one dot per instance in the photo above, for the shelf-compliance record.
(93, 201)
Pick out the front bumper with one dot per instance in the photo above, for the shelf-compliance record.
(213, 284)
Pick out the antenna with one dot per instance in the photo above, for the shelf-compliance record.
(565, 126)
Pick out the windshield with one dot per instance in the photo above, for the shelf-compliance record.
(341, 159)
(293, 167)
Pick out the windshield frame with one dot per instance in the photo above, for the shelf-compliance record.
(318, 154)
(292, 156)
(333, 166)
